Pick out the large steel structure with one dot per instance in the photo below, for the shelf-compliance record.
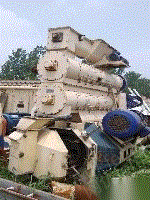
(57, 137)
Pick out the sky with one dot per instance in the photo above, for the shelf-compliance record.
(124, 24)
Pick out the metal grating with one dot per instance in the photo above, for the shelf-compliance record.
(119, 123)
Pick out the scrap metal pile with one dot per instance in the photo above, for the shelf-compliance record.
(75, 118)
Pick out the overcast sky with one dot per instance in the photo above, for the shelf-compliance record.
(124, 24)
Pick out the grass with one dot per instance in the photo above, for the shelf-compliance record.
(139, 164)
(136, 170)
(26, 179)
(136, 166)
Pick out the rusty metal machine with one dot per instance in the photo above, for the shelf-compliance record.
(68, 120)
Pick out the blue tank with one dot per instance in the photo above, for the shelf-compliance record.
(123, 124)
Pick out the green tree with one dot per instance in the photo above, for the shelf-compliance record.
(14, 67)
(134, 81)
(21, 64)
(32, 60)
(143, 87)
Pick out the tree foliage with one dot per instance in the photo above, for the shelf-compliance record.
(135, 81)
(20, 64)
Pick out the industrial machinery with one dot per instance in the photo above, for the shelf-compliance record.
(75, 118)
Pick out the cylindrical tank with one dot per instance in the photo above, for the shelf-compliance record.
(72, 69)
(85, 101)
(123, 124)
(92, 75)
